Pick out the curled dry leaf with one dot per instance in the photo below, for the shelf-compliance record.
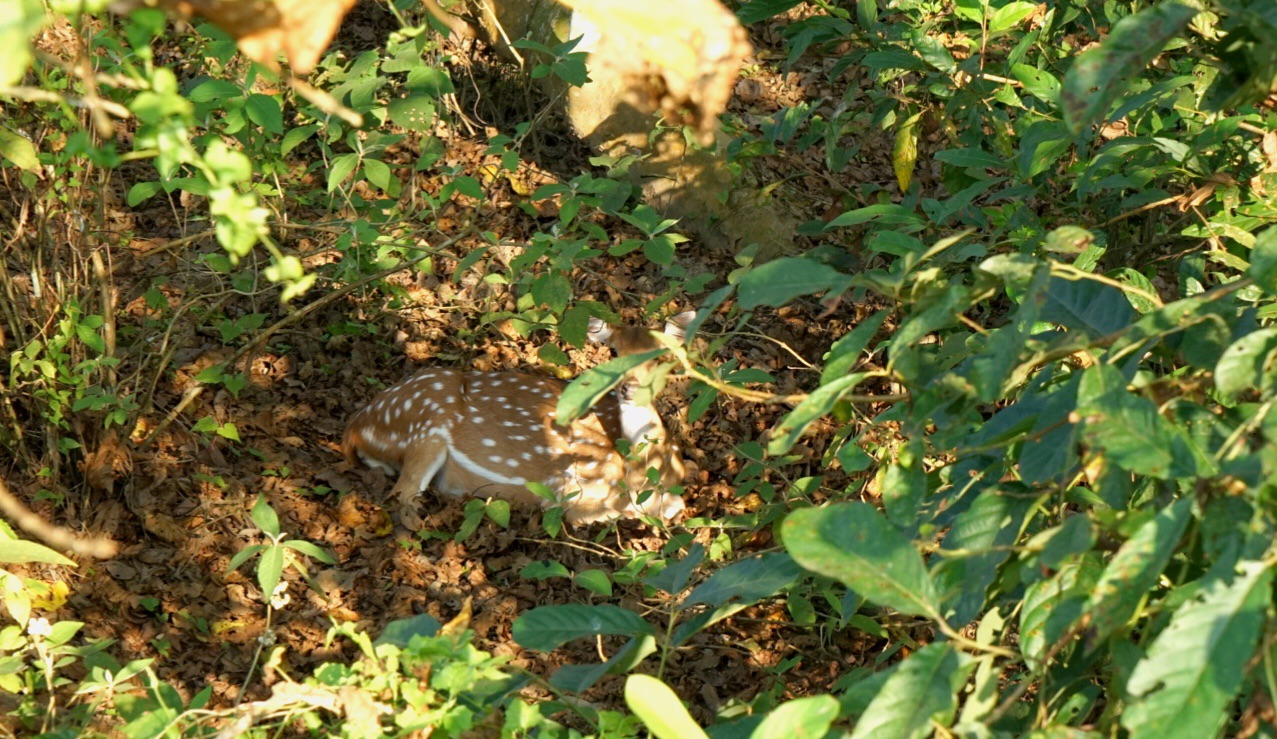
(682, 56)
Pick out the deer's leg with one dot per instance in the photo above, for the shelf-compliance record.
(421, 463)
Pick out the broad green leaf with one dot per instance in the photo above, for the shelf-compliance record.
(18, 150)
(1051, 606)
(310, 550)
(1038, 83)
(264, 110)
(885, 215)
(269, 569)
(341, 168)
(415, 112)
(819, 402)
(1134, 570)
(854, 543)
(747, 580)
(1248, 363)
(264, 516)
(674, 577)
(401, 631)
(18, 24)
(1100, 74)
(549, 627)
(596, 581)
(1182, 689)
(933, 52)
(1010, 15)
(983, 535)
(1263, 260)
(803, 718)
(579, 678)
(754, 11)
(378, 173)
(977, 158)
(142, 191)
(922, 690)
(1041, 146)
(295, 137)
(593, 384)
(1086, 305)
(781, 280)
(552, 290)
(211, 90)
(20, 551)
(1127, 428)
(659, 709)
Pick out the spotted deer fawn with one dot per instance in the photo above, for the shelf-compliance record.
(489, 434)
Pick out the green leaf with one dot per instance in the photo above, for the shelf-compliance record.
(269, 570)
(414, 113)
(746, 581)
(1248, 363)
(1051, 606)
(585, 391)
(1039, 83)
(1263, 260)
(264, 110)
(854, 543)
(19, 551)
(817, 403)
(378, 173)
(1086, 305)
(295, 137)
(933, 52)
(1127, 428)
(781, 280)
(802, 718)
(1193, 670)
(984, 534)
(845, 353)
(1100, 74)
(883, 215)
(212, 90)
(17, 149)
(923, 689)
(341, 169)
(264, 516)
(754, 11)
(596, 581)
(551, 354)
(552, 290)
(659, 709)
(674, 577)
(401, 631)
(142, 191)
(549, 627)
(309, 549)
(971, 158)
(18, 24)
(1134, 570)
(1010, 15)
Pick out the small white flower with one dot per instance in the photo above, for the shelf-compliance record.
(39, 627)
(280, 597)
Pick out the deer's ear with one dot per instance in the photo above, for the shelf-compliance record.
(676, 326)
(598, 331)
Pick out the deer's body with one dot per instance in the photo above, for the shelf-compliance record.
(489, 434)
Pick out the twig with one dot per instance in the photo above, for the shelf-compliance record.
(97, 547)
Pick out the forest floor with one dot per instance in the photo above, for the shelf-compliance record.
(179, 505)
